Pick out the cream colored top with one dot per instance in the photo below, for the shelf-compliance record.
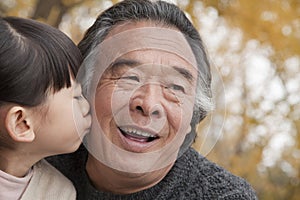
(47, 183)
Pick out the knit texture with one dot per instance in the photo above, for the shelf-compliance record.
(192, 177)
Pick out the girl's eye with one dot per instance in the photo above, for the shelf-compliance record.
(132, 78)
(78, 97)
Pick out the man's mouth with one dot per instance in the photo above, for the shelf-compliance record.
(138, 135)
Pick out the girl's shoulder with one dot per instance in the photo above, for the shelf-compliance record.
(48, 183)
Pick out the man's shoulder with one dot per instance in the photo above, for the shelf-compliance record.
(211, 180)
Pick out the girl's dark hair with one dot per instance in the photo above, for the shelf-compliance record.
(34, 58)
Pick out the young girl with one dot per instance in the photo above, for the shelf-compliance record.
(42, 111)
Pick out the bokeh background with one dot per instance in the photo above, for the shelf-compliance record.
(254, 48)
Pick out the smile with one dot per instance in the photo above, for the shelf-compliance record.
(138, 135)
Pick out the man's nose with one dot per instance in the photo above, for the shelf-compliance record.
(148, 101)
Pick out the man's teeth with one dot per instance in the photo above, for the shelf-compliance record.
(132, 131)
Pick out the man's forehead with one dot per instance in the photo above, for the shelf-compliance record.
(155, 56)
(130, 25)
(143, 38)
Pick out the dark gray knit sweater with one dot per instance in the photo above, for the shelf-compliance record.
(192, 177)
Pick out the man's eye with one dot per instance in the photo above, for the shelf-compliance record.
(133, 78)
(177, 88)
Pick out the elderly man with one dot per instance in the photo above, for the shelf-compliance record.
(147, 77)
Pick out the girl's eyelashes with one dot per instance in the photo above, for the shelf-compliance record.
(78, 97)
(78, 92)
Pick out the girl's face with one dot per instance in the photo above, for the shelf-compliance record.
(64, 122)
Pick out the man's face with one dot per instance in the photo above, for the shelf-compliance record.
(145, 98)
(142, 97)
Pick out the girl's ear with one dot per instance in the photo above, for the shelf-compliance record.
(18, 124)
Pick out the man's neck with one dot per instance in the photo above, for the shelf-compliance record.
(107, 179)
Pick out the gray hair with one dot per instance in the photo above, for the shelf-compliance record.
(164, 14)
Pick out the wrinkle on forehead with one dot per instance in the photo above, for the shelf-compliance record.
(146, 38)
(129, 25)
(138, 58)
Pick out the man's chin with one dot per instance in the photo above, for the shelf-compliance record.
(136, 156)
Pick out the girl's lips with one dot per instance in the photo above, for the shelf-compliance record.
(136, 143)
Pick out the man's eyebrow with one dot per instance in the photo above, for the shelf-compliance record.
(124, 62)
(185, 73)
(133, 63)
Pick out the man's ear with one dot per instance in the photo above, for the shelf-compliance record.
(189, 129)
(18, 124)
